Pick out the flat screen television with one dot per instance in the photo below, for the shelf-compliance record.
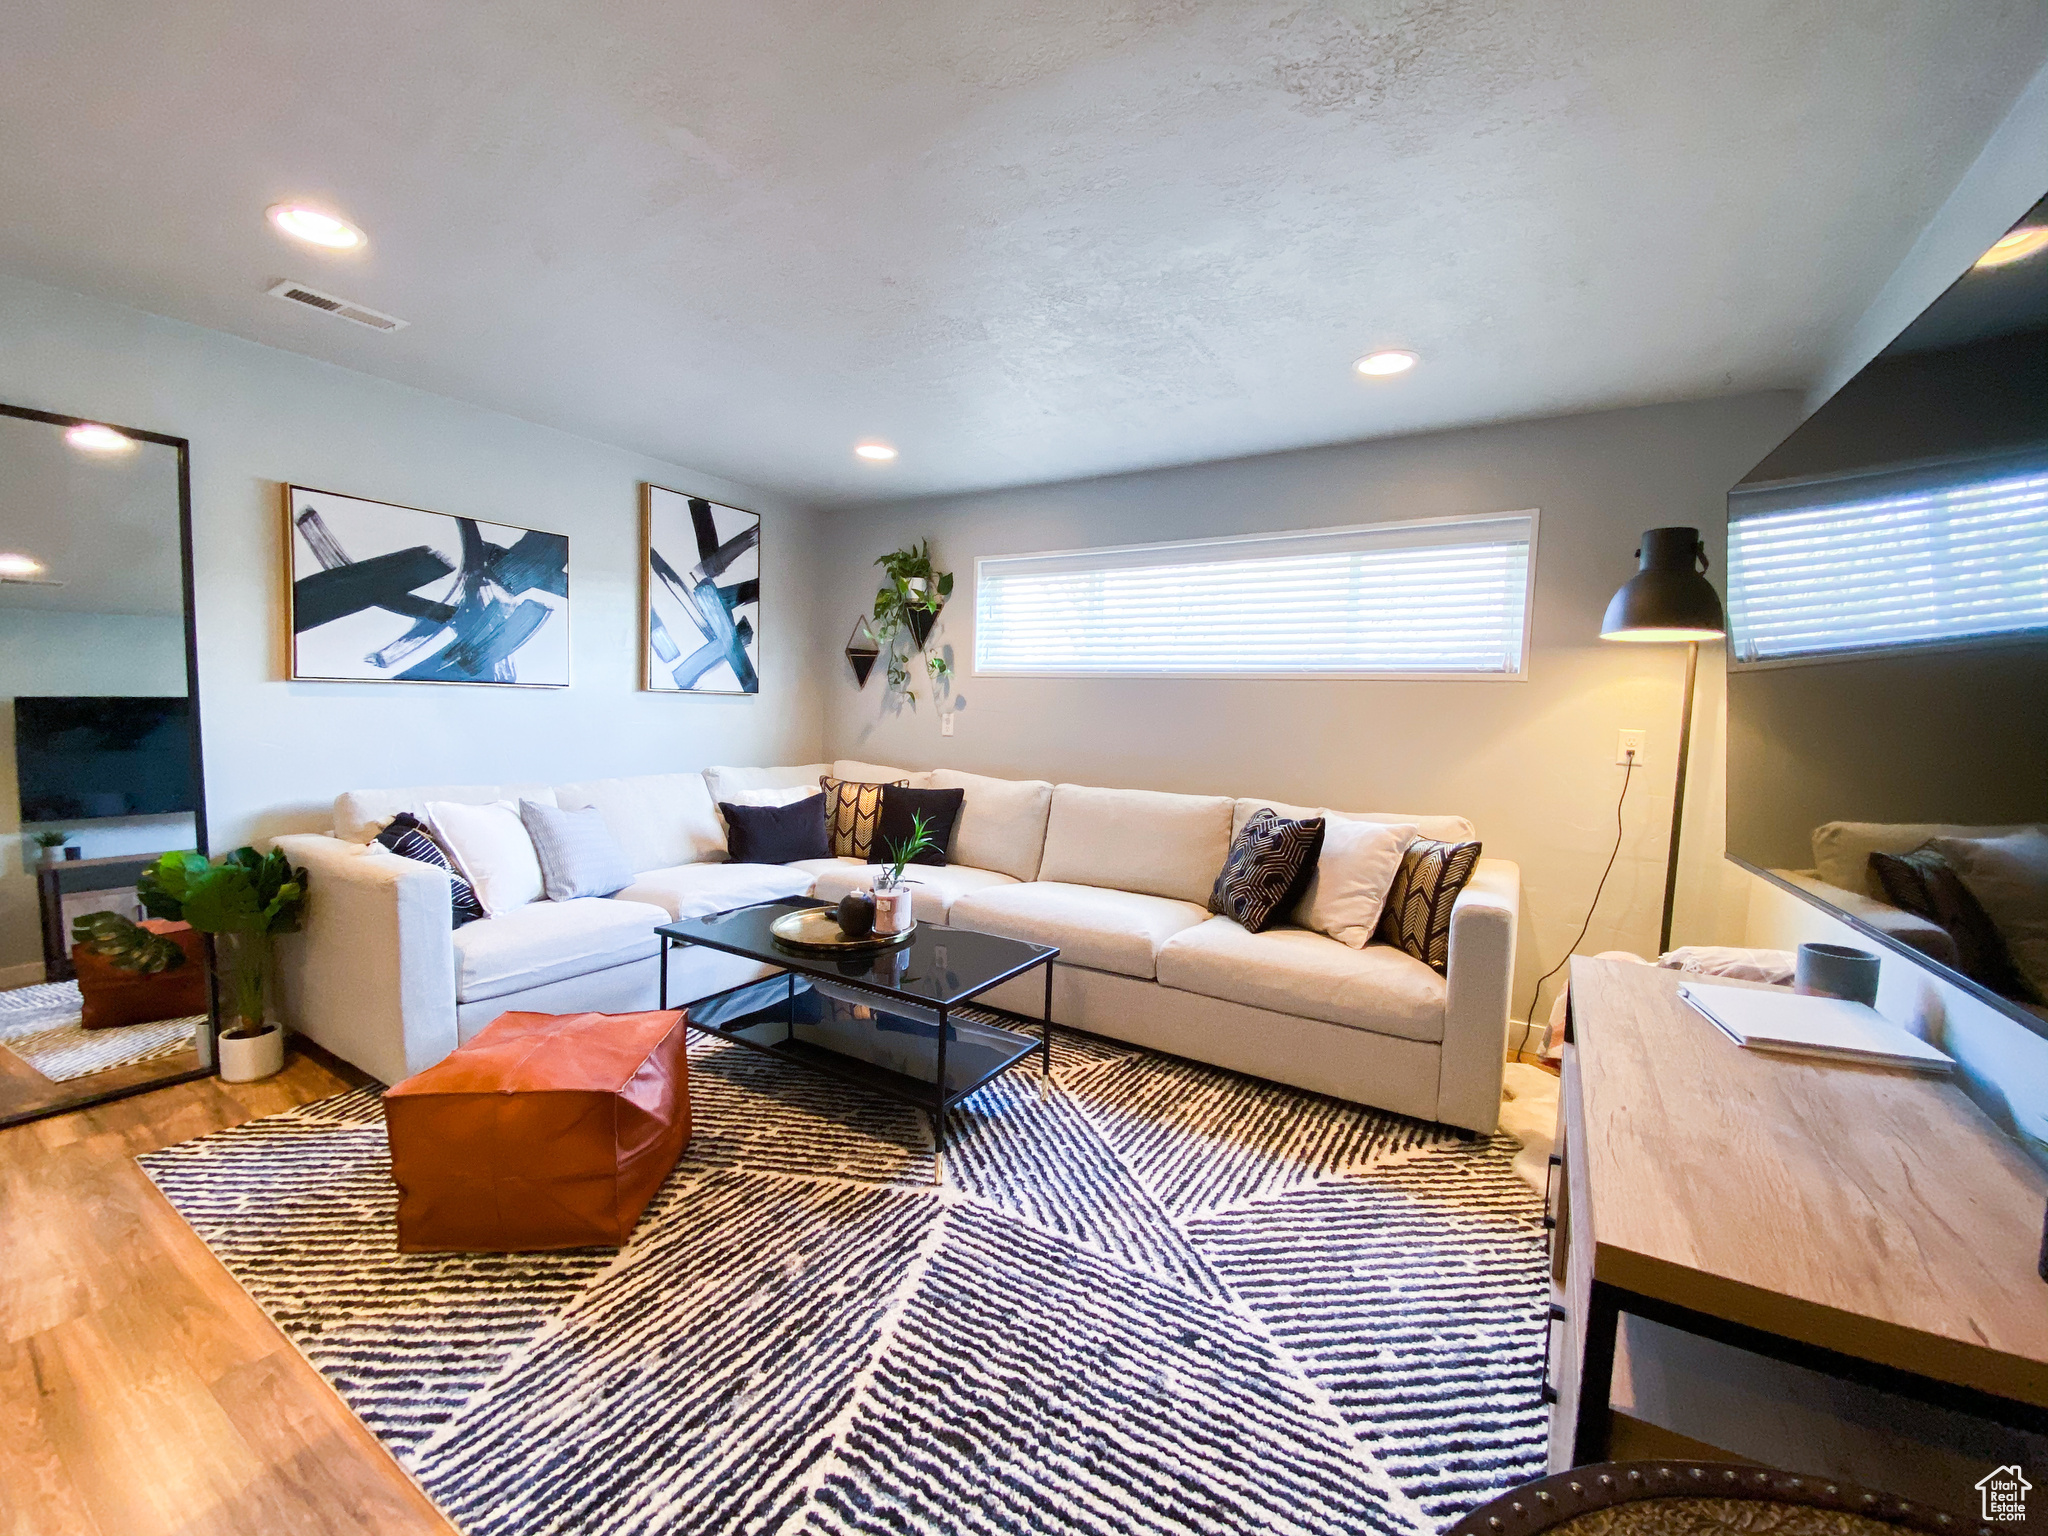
(89, 758)
(1888, 641)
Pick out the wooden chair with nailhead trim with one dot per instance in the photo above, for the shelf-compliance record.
(1703, 1498)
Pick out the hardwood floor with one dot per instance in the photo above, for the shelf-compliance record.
(24, 1091)
(141, 1391)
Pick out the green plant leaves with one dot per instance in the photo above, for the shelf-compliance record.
(128, 945)
(247, 892)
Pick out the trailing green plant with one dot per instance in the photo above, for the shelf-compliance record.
(902, 852)
(914, 588)
(247, 898)
(126, 944)
(940, 669)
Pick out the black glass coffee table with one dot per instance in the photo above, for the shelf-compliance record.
(899, 1022)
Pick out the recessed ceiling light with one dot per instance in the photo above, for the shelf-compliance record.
(1379, 365)
(315, 227)
(14, 567)
(2017, 246)
(879, 453)
(94, 438)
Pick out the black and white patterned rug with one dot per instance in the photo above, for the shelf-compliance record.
(1153, 1297)
(42, 1025)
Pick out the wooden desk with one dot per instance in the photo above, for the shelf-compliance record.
(1865, 1222)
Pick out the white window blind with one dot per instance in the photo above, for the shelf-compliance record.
(1444, 597)
(1914, 557)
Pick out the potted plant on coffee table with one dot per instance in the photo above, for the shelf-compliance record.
(890, 895)
(245, 900)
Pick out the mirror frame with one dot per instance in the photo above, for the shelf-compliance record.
(208, 1036)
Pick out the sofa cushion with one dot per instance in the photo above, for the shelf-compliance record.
(1417, 916)
(360, 814)
(1309, 975)
(577, 852)
(855, 772)
(1105, 930)
(697, 890)
(1001, 825)
(1445, 829)
(660, 819)
(1842, 849)
(551, 941)
(1137, 840)
(1346, 890)
(933, 890)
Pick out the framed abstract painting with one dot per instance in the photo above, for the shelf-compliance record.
(383, 593)
(703, 595)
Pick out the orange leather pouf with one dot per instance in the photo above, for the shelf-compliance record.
(113, 996)
(544, 1131)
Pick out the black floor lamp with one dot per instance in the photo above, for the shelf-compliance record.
(1669, 599)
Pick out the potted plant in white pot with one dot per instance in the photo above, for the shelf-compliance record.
(51, 846)
(244, 901)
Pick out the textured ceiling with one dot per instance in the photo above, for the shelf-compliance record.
(1022, 241)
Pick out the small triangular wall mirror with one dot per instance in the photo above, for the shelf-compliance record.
(861, 650)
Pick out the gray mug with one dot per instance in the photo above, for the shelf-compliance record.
(1838, 971)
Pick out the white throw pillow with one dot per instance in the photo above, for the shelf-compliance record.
(1353, 874)
(773, 796)
(490, 847)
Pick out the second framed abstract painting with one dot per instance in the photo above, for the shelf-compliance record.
(703, 578)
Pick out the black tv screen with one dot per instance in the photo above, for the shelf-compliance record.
(1888, 642)
(85, 759)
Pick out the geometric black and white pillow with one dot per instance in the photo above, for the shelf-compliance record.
(407, 837)
(1270, 862)
(1417, 918)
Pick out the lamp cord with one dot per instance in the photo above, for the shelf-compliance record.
(1529, 1023)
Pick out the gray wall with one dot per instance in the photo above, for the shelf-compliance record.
(278, 752)
(1531, 763)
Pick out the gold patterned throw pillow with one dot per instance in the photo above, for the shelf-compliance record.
(852, 812)
(1417, 917)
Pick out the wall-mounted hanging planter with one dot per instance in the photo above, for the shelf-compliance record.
(861, 650)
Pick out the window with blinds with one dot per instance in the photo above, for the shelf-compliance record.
(1925, 556)
(1443, 598)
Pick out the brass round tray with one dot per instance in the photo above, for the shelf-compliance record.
(816, 931)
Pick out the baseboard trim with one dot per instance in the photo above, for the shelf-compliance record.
(12, 976)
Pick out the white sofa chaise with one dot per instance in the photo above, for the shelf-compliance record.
(1118, 879)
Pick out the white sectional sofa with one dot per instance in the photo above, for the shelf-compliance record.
(1118, 879)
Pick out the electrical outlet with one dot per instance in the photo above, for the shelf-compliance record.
(946, 723)
(1630, 748)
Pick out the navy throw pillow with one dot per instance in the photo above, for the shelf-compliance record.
(777, 834)
(940, 809)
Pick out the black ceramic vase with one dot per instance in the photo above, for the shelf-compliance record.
(857, 914)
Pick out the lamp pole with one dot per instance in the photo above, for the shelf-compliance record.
(1692, 666)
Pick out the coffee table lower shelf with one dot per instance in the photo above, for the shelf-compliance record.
(874, 1042)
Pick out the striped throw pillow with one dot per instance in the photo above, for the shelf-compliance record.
(1417, 919)
(406, 835)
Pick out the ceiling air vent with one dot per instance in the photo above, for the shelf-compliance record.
(313, 298)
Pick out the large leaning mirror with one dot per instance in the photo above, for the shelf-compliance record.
(99, 764)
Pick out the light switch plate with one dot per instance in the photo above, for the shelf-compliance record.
(1631, 741)
(946, 723)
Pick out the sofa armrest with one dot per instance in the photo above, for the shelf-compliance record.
(372, 975)
(1480, 977)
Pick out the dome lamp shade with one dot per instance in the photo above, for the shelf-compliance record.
(1669, 598)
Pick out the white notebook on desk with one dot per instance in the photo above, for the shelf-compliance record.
(1794, 1024)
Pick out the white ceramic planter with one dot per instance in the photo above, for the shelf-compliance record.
(248, 1059)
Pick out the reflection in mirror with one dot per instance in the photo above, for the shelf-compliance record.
(1888, 648)
(98, 766)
